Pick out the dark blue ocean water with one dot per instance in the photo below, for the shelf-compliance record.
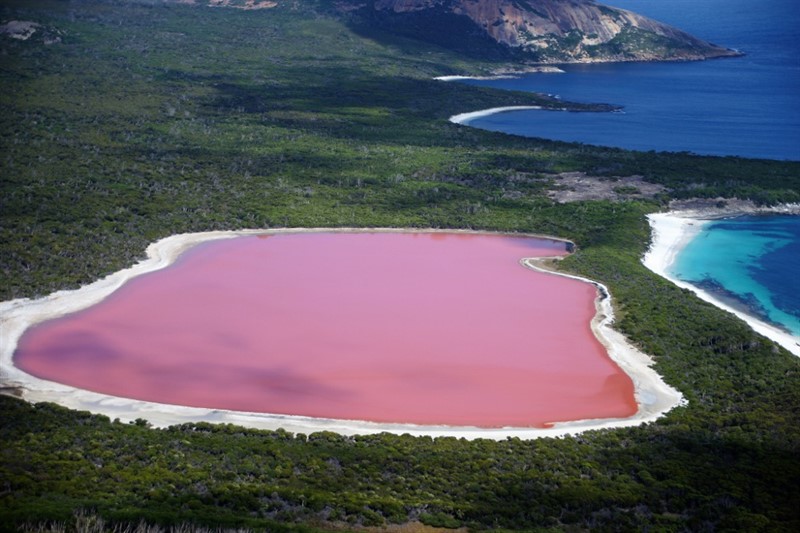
(754, 260)
(747, 106)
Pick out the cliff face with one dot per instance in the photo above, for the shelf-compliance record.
(544, 30)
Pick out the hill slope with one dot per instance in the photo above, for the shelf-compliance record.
(546, 31)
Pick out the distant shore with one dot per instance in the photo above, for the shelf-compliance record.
(461, 78)
(673, 230)
(466, 118)
(505, 74)
(653, 396)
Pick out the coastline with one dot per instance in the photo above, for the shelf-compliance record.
(466, 118)
(653, 396)
(674, 229)
(505, 74)
(461, 78)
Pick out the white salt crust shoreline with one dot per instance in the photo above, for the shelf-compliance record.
(654, 397)
(672, 231)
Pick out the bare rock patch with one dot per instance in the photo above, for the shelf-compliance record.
(579, 186)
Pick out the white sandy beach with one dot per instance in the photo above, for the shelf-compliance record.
(461, 78)
(505, 75)
(654, 397)
(673, 230)
(466, 118)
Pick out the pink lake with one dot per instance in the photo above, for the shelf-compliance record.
(421, 328)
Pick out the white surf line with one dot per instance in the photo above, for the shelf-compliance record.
(672, 231)
(653, 396)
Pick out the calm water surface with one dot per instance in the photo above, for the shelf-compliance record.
(423, 328)
(753, 262)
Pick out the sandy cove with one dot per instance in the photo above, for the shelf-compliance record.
(673, 230)
(466, 118)
(653, 396)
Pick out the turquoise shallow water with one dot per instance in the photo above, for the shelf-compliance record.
(752, 262)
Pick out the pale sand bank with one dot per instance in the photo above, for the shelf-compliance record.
(505, 74)
(466, 118)
(460, 78)
(654, 396)
(674, 230)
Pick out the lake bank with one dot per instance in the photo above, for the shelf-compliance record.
(653, 397)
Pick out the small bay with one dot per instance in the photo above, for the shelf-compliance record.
(752, 263)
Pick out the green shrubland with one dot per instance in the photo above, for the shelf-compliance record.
(150, 119)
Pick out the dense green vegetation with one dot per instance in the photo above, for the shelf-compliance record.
(150, 119)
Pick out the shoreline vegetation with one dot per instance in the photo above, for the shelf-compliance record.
(673, 230)
(654, 397)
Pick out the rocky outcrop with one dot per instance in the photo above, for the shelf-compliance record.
(544, 30)
(236, 4)
(24, 30)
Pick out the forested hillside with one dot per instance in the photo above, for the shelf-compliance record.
(125, 122)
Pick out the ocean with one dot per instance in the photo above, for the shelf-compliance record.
(751, 263)
(747, 106)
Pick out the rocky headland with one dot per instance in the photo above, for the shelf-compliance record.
(542, 31)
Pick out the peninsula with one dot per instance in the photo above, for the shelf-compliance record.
(538, 31)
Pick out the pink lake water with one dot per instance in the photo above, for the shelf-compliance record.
(422, 328)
